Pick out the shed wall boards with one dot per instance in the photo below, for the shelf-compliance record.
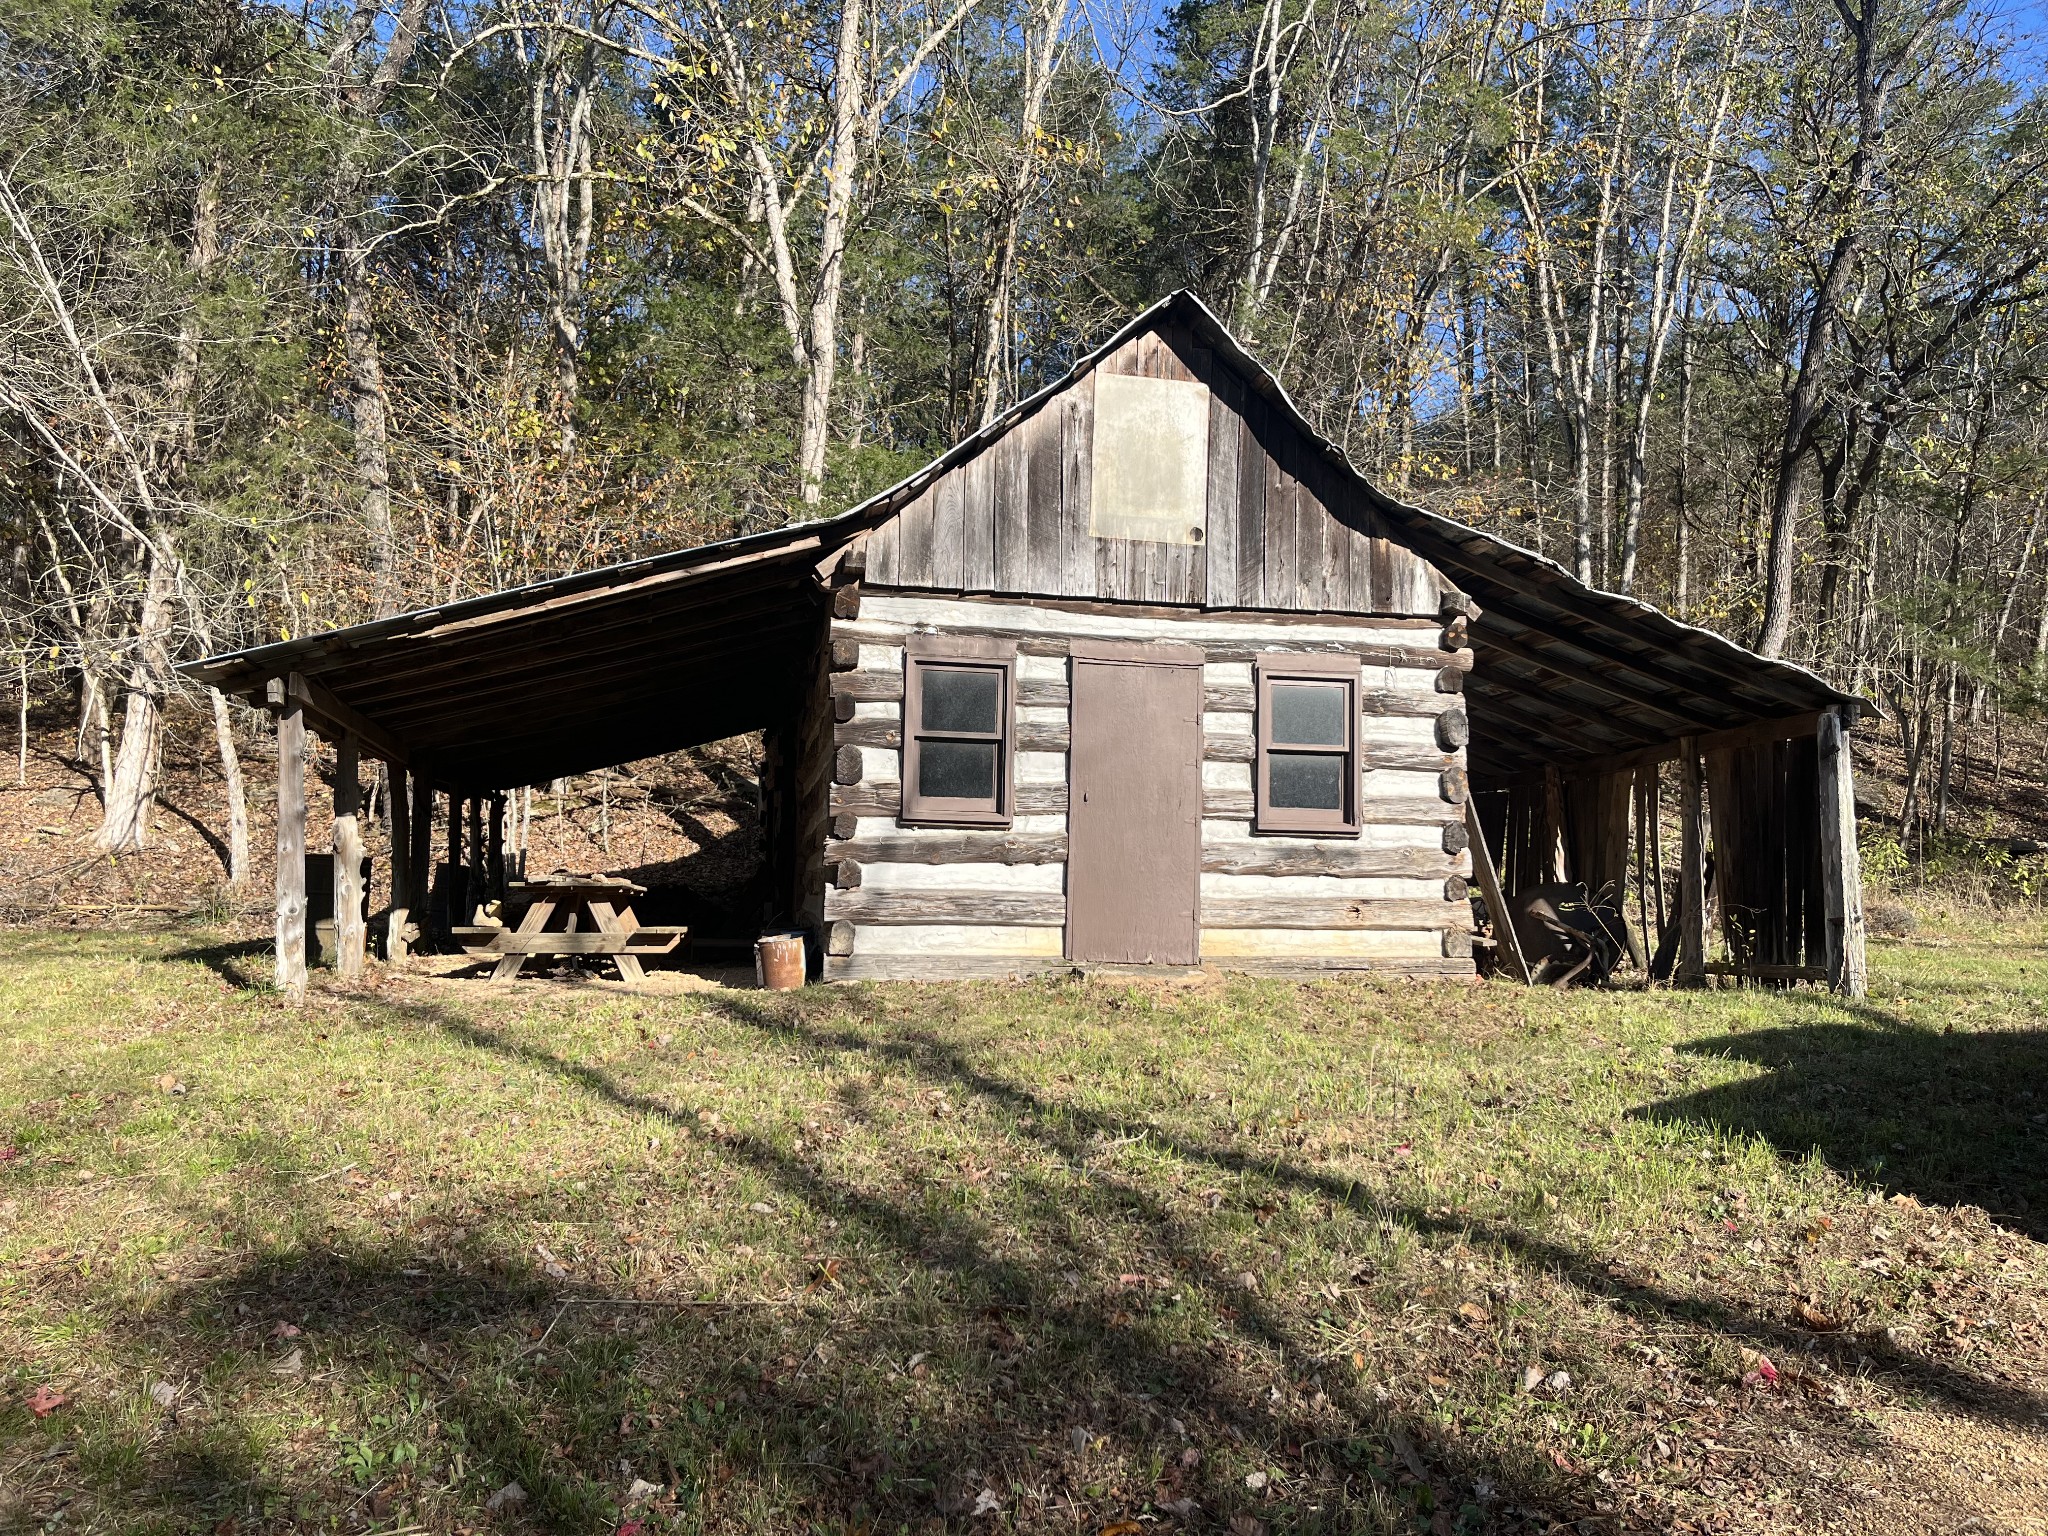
(1151, 459)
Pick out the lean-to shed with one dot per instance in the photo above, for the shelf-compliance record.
(1145, 673)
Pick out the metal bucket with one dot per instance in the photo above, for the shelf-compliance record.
(779, 961)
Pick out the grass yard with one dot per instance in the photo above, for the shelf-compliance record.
(1098, 1257)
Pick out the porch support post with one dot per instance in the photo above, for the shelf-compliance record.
(1692, 869)
(348, 861)
(291, 842)
(458, 875)
(1841, 864)
(420, 853)
(395, 943)
(497, 846)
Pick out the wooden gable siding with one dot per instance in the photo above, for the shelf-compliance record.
(1284, 531)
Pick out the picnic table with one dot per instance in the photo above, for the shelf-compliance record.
(562, 915)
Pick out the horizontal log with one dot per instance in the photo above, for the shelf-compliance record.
(872, 687)
(1219, 804)
(1046, 909)
(1229, 747)
(1257, 856)
(885, 798)
(945, 847)
(1032, 735)
(940, 967)
(1242, 698)
(1333, 912)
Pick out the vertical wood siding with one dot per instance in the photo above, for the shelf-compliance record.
(1284, 530)
(931, 902)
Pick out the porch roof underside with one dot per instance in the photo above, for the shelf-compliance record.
(1569, 676)
(566, 676)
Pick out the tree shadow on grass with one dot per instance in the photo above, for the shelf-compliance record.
(975, 1384)
(1949, 1118)
(990, 1371)
(1592, 1275)
(243, 963)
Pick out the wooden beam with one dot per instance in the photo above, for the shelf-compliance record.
(1841, 863)
(1754, 733)
(348, 862)
(340, 719)
(291, 847)
(1692, 869)
(1508, 943)
(1658, 703)
(396, 940)
(420, 853)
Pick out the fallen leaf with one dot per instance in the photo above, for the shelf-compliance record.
(1475, 1314)
(1121, 1528)
(1559, 1382)
(987, 1503)
(291, 1365)
(641, 1491)
(508, 1497)
(1255, 1481)
(1532, 1378)
(45, 1401)
(1812, 1317)
(1757, 1370)
(1247, 1525)
(1410, 1457)
(284, 1330)
(1185, 1509)
(1191, 1457)
(163, 1394)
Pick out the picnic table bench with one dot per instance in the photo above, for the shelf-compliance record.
(562, 915)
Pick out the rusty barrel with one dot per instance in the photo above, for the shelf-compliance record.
(779, 961)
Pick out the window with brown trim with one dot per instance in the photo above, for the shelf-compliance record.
(959, 730)
(1305, 776)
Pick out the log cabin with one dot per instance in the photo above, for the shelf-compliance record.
(1144, 673)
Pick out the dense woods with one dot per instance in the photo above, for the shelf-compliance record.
(310, 315)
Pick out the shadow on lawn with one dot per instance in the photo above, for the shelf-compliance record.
(1951, 1119)
(1060, 1400)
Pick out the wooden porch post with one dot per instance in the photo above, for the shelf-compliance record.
(458, 876)
(1841, 863)
(348, 861)
(474, 894)
(496, 846)
(291, 842)
(401, 867)
(420, 853)
(1692, 869)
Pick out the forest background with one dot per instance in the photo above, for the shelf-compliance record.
(314, 313)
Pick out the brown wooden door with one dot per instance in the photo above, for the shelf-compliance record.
(1134, 809)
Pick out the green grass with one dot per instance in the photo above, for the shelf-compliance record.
(1075, 1253)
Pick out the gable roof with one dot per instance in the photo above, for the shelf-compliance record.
(504, 688)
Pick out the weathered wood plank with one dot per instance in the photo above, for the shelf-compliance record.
(1268, 857)
(1031, 736)
(1692, 877)
(979, 908)
(1281, 527)
(853, 968)
(917, 537)
(1323, 912)
(949, 531)
(1077, 489)
(1219, 552)
(942, 847)
(1251, 505)
(1012, 509)
(978, 520)
(1222, 944)
(1043, 568)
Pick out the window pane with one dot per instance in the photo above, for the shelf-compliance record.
(957, 770)
(961, 701)
(1309, 714)
(1306, 781)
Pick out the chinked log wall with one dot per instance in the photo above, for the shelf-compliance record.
(929, 902)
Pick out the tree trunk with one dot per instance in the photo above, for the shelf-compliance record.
(131, 788)
(237, 798)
